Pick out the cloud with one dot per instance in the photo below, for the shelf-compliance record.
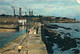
(1, 11)
(78, 1)
(45, 7)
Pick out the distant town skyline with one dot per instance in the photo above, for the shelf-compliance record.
(64, 8)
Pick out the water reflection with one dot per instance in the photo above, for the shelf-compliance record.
(8, 36)
(22, 28)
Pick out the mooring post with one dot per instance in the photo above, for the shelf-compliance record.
(27, 52)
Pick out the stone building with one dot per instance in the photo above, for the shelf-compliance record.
(22, 21)
(30, 13)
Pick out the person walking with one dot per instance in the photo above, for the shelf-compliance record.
(19, 48)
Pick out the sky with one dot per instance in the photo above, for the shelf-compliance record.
(63, 8)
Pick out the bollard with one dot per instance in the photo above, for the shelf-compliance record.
(27, 52)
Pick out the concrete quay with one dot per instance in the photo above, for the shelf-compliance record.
(31, 44)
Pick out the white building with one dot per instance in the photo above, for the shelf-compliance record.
(22, 20)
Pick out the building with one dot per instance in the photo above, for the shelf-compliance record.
(19, 12)
(22, 21)
(30, 13)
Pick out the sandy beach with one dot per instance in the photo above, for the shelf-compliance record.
(7, 30)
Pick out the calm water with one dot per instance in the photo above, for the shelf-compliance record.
(8, 36)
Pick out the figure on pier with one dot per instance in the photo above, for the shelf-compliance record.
(19, 49)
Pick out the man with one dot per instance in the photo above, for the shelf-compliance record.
(19, 48)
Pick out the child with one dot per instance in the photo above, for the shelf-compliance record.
(19, 48)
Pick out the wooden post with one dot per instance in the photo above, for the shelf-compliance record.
(27, 52)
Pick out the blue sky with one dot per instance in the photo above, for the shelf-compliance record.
(64, 8)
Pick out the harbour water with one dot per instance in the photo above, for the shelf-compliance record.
(8, 36)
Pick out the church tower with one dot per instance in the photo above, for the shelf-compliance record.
(30, 13)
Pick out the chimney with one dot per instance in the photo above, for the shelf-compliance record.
(25, 13)
(14, 12)
(20, 12)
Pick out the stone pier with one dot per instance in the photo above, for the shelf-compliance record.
(31, 44)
